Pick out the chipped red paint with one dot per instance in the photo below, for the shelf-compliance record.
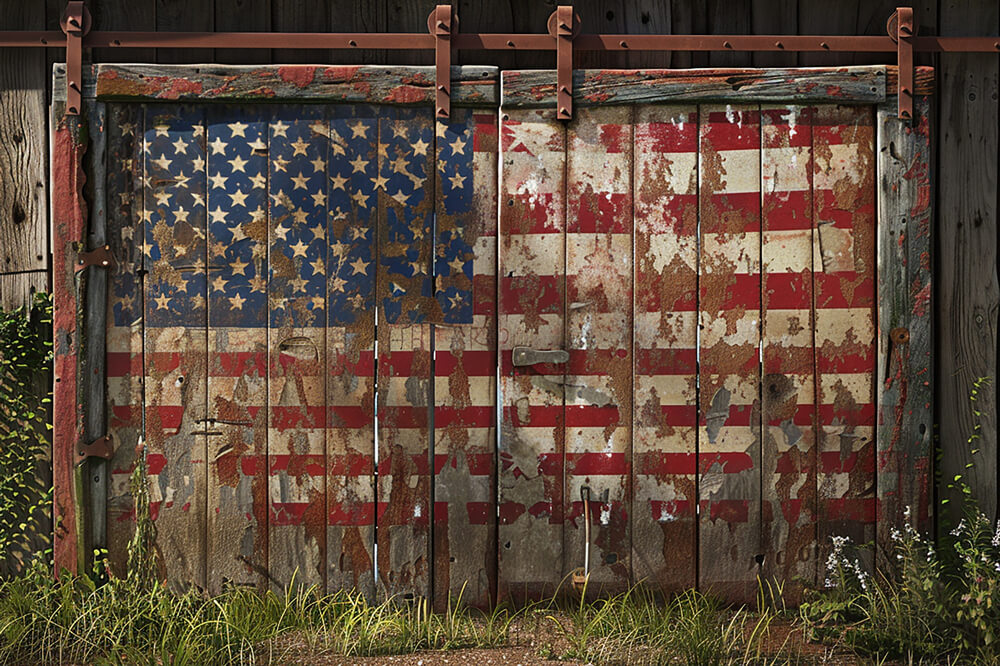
(69, 221)
(298, 75)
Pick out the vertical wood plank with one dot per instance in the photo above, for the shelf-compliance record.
(410, 16)
(175, 337)
(729, 17)
(774, 17)
(532, 314)
(404, 187)
(967, 256)
(122, 15)
(654, 17)
(465, 361)
(236, 201)
(184, 16)
(905, 389)
(350, 381)
(664, 526)
(788, 404)
(300, 16)
(124, 321)
(729, 374)
(242, 16)
(598, 386)
(24, 233)
(297, 345)
(844, 288)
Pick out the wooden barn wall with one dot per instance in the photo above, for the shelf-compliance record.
(965, 260)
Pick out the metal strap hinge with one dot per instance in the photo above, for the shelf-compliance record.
(99, 448)
(100, 256)
(441, 24)
(905, 31)
(564, 25)
(75, 24)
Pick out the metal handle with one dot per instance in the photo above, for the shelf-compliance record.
(529, 356)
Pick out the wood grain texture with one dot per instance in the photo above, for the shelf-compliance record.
(17, 289)
(729, 292)
(123, 15)
(184, 16)
(300, 16)
(23, 152)
(242, 16)
(532, 314)
(665, 348)
(905, 393)
(654, 17)
(967, 259)
(350, 84)
(774, 17)
(598, 386)
(788, 391)
(536, 89)
(465, 365)
(124, 322)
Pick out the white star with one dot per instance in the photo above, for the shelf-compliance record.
(218, 146)
(163, 162)
(162, 198)
(300, 181)
(238, 163)
(318, 164)
(299, 249)
(258, 181)
(180, 215)
(218, 215)
(299, 147)
(239, 267)
(218, 180)
(180, 145)
(279, 128)
(239, 198)
(198, 163)
(319, 199)
(236, 302)
(238, 129)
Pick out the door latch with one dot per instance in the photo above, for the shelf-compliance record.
(529, 356)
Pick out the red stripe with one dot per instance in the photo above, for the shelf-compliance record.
(740, 133)
(604, 213)
(351, 513)
(848, 509)
(780, 130)
(122, 364)
(677, 509)
(728, 511)
(472, 363)
(786, 210)
(533, 214)
(298, 464)
(668, 137)
(535, 294)
(477, 513)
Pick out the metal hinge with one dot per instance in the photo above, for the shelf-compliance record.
(99, 448)
(100, 256)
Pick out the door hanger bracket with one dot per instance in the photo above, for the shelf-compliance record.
(564, 25)
(902, 28)
(102, 447)
(75, 24)
(442, 24)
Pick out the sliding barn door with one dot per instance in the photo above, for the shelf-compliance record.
(687, 329)
(304, 309)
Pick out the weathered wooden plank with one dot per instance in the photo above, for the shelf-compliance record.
(124, 322)
(729, 293)
(774, 17)
(654, 17)
(122, 15)
(363, 84)
(411, 16)
(23, 156)
(844, 293)
(967, 260)
(403, 185)
(17, 289)
(69, 221)
(531, 314)
(243, 16)
(537, 88)
(296, 441)
(236, 201)
(350, 380)
(598, 385)
(301, 16)
(183, 16)
(92, 366)
(788, 396)
(175, 295)
(905, 337)
(465, 362)
(728, 17)
(664, 527)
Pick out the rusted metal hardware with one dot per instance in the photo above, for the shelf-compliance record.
(528, 356)
(564, 24)
(99, 448)
(75, 24)
(441, 24)
(100, 256)
(906, 28)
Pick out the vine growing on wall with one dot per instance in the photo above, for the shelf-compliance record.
(25, 441)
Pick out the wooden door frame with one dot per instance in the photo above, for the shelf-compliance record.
(904, 378)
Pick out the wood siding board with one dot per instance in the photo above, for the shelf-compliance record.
(774, 17)
(664, 525)
(598, 386)
(351, 270)
(301, 16)
(93, 368)
(403, 187)
(16, 289)
(473, 85)
(595, 87)
(297, 346)
(729, 17)
(124, 322)
(729, 445)
(236, 201)
(844, 292)
(531, 314)
(122, 15)
(184, 16)
(176, 376)
(905, 336)
(465, 364)
(654, 17)
(69, 222)
(967, 251)
(788, 405)
(24, 233)
(243, 16)
(410, 16)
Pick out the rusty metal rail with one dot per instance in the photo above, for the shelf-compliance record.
(443, 39)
